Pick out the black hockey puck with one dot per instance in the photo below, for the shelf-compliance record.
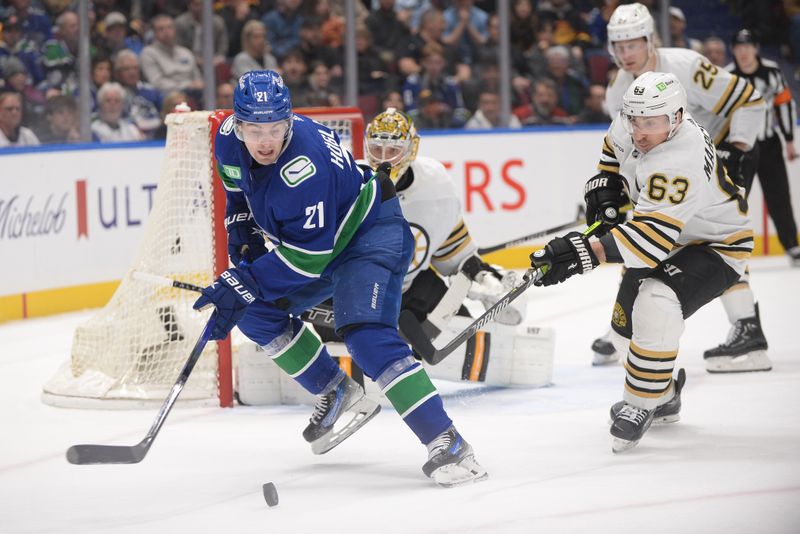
(270, 494)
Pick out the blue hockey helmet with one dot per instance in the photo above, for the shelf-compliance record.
(261, 96)
(262, 107)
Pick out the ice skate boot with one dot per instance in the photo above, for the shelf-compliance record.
(629, 426)
(794, 256)
(451, 461)
(669, 412)
(346, 398)
(745, 349)
(604, 351)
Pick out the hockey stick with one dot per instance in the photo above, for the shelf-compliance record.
(415, 334)
(524, 239)
(121, 454)
(320, 315)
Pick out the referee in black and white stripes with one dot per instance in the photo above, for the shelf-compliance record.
(768, 79)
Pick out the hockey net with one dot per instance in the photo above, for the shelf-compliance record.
(130, 352)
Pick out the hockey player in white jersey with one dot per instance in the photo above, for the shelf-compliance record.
(732, 111)
(688, 241)
(503, 353)
(446, 269)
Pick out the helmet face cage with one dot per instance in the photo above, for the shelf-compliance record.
(630, 22)
(392, 138)
(260, 96)
(653, 94)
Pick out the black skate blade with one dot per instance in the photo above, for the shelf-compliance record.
(105, 454)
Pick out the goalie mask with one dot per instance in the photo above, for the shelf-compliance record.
(392, 138)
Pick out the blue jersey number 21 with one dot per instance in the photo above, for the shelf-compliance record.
(318, 210)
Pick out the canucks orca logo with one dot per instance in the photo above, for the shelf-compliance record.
(422, 245)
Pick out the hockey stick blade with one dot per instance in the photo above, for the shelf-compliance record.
(106, 454)
(416, 336)
(121, 454)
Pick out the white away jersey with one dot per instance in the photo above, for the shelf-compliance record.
(726, 105)
(433, 211)
(680, 197)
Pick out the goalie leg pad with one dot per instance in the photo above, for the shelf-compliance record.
(499, 355)
(658, 325)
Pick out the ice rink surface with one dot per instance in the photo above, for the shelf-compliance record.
(731, 465)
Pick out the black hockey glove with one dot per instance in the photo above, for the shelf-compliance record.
(605, 194)
(245, 240)
(563, 257)
(739, 164)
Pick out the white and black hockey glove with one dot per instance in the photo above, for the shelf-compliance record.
(564, 257)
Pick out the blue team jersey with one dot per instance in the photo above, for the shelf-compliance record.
(311, 202)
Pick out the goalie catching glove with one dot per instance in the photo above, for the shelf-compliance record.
(489, 285)
(563, 257)
(230, 294)
(605, 194)
(245, 240)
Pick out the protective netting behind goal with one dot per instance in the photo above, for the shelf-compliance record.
(131, 351)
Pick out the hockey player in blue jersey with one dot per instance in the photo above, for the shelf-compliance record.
(334, 230)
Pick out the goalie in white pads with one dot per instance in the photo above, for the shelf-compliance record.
(688, 241)
(732, 111)
(446, 269)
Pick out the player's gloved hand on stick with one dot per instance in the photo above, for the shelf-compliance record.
(605, 193)
(231, 294)
(244, 234)
(564, 257)
(738, 163)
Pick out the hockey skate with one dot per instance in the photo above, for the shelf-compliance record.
(347, 397)
(451, 461)
(629, 426)
(604, 351)
(794, 256)
(745, 349)
(669, 412)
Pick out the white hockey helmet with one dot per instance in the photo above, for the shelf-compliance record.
(391, 137)
(630, 21)
(654, 94)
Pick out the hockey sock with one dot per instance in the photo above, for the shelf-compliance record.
(739, 302)
(303, 357)
(386, 359)
(657, 328)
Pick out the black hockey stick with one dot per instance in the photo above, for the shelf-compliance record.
(121, 454)
(524, 239)
(413, 331)
(320, 315)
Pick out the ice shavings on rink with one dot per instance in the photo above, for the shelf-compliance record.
(732, 464)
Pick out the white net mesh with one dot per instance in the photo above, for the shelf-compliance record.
(130, 353)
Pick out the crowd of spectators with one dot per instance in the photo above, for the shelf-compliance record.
(435, 59)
